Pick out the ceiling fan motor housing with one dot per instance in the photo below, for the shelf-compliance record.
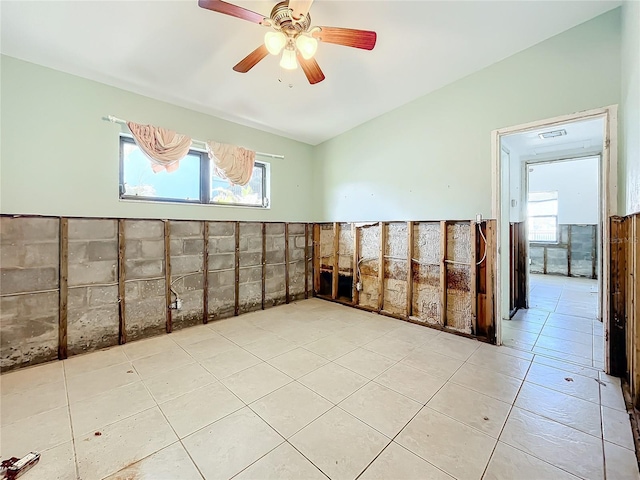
(281, 20)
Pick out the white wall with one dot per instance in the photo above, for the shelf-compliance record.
(431, 158)
(630, 110)
(576, 182)
(58, 157)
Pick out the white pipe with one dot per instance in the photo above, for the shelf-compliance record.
(194, 142)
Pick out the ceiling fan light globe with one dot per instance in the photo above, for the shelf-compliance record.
(288, 61)
(275, 42)
(307, 46)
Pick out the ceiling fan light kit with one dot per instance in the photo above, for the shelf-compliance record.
(292, 35)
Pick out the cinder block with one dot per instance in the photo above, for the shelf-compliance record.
(221, 261)
(251, 275)
(78, 252)
(151, 249)
(92, 229)
(77, 298)
(222, 245)
(296, 229)
(221, 229)
(99, 296)
(140, 269)
(28, 230)
(255, 244)
(133, 249)
(105, 250)
(249, 259)
(193, 282)
(40, 255)
(250, 229)
(193, 246)
(274, 228)
(93, 272)
(144, 229)
(299, 242)
(221, 279)
(151, 288)
(186, 229)
(185, 264)
(28, 280)
(276, 256)
(176, 246)
(92, 329)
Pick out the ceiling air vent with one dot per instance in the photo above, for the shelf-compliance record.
(552, 134)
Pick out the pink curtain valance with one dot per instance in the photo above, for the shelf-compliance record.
(232, 162)
(165, 148)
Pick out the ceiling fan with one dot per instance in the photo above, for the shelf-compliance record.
(292, 35)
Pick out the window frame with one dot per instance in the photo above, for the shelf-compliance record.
(206, 172)
(555, 217)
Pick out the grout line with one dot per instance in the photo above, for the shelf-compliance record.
(73, 438)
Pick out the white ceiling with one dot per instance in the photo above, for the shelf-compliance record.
(586, 137)
(177, 52)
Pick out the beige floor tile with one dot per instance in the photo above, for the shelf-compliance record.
(381, 408)
(584, 370)
(339, 444)
(269, 347)
(415, 334)
(90, 362)
(517, 337)
(500, 362)
(246, 336)
(26, 403)
(188, 336)
(510, 463)
(161, 362)
(565, 382)
(303, 334)
(577, 308)
(566, 409)
(411, 382)
(57, 463)
(87, 385)
(569, 322)
(365, 362)
(290, 408)
(229, 325)
(611, 393)
(565, 346)
(486, 381)
(396, 462)
(564, 447)
(230, 362)
(532, 315)
(434, 364)
(36, 433)
(512, 352)
(283, 463)
(176, 382)
(570, 335)
(333, 382)
(483, 413)
(199, 408)
(620, 462)
(616, 427)
(256, 382)
(209, 347)
(94, 413)
(455, 347)
(148, 347)
(122, 444)
(524, 325)
(298, 362)
(331, 347)
(459, 450)
(231, 444)
(170, 463)
(31, 377)
(359, 335)
(392, 348)
(564, 356)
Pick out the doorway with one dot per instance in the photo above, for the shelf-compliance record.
(554, 187)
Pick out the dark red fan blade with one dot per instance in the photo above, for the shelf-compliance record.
(348, 37)
(233, 10)
(251, 60)
(299, 8)
(311, 69)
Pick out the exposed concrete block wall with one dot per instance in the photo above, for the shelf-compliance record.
(326, 257)
(275, 288)
(221, 269)
(369, 264)
(426, 273)
(29, 263)
(297, 261)
(459, 316)
(250, 289)
(395, 268)
(93, 307)
(145, 298)
(187, 271)
(574, 255)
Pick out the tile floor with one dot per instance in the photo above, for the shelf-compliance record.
(561, 322)
(314, 390)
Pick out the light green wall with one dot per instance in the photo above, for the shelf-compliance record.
(630, 110)
(431, 158)
(58, 157)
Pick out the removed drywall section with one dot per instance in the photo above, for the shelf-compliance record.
(145, 296)
(395, 269)
(574, 255)
(326, 260)
(426, 273)
(250, 275)
(345, 262)
(459, 315)
(221, 269)
(275, 284)
(29, 291)
(187, 277)
(93, 310)
(369, 265)
(296, 261)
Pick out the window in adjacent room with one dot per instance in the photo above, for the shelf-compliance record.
(195, 181)
(543, 217)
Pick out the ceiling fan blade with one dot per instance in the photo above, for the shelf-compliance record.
(299, 8)
(311, 69)
(233, 10)
(251, 60)
(348, 37)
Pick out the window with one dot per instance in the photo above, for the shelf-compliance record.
(194, 182)
(543, 216)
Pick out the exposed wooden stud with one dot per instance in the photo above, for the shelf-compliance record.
(63, 288)
(594, 254)
(205, 269)
(335, 274)
(264, 261)
(122, 275)
(443, 272)
(356, 258)
(490, 310)
(410, 242)
(383, 246)
(634, 308)
(617, 331)
(544, 260)
(316, 259)
(473, 238)
(236, 308)
(306, 260)
(167, 276)
(569, 250)
(286, 263)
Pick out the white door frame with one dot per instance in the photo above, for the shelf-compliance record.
(609, 207)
